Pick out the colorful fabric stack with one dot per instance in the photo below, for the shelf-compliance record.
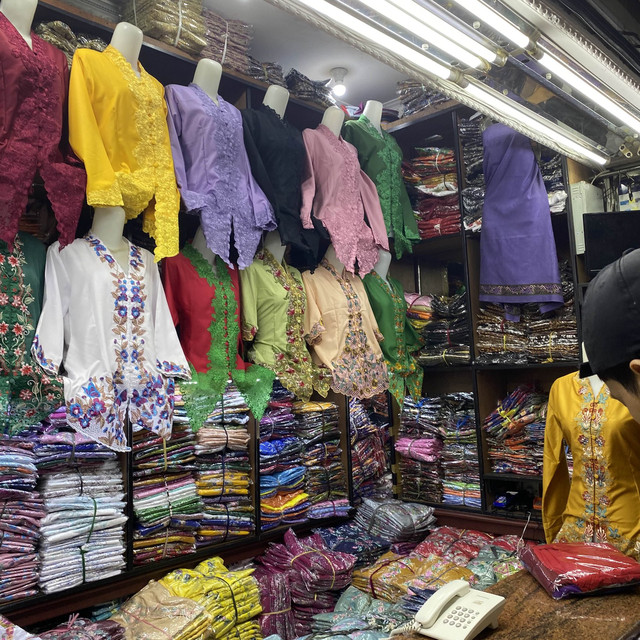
(369, 445)
(447, 335)
(316, 573)
(223, 472)
(349, 538)
(421, 479)
(22, 510)
(459, 546)
(228, 41)
(500, 341)
(394, 520)
(275, 599)
(86, 629)
(470, 133)
(326, 481)
(432, 184)
(460, 464)
(515, 433)
(82, 533)
(495, 561)
(419, 310)
(551, 169)
(166, 503)
(415, 96)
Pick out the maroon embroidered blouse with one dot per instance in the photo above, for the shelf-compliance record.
(33, 94)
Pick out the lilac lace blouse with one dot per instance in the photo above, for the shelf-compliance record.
(213, 172)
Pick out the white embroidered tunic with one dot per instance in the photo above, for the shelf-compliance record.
(112, 334)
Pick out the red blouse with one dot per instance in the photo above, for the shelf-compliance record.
(33, 94)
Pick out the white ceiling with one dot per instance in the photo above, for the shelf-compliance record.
(292, 42)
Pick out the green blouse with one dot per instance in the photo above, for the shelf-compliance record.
(400, 338)
(381, 159)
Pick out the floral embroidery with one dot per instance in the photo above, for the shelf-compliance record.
(591, 462)
(294, 367)
(171, 369)
(206, 389)
(358, 371)
(315, 335)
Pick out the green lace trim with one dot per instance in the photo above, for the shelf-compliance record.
(206, 389)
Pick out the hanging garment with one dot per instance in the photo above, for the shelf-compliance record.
(204, 305)
(600, 502)
(112, 333)
(400, 338)
(118, 127)
(342, 330)
(274, 306)
(340, 195)
(518, 260)
(27, 394)
(381, 159)
(33, 102)
(213, 172)
(276, 154)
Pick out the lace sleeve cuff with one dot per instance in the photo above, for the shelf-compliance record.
(172, 370)
(110, 197)
(248, 332)
(315, 335)
(38, 353)
(379, 336)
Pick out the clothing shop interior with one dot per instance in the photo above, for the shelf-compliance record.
(292, 308)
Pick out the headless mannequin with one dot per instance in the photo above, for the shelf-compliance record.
(333, 119)
(108, 222)
(276, 98)
(331, 257)
(382, 266)
(373, 112)
(207, 77)
(199, 243)
(20, 14)
(273, 244)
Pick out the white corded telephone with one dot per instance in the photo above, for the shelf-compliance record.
(455, 612)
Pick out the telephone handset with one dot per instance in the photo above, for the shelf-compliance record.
(455, 612)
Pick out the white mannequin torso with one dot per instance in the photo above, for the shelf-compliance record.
(276, 98)
(382, 266)
(127, 39)
(108, 225)
(199, 243)
(20, 14)
(373, 112)
(207, 77)
(332, 259)
(333, 119)
(273, 244)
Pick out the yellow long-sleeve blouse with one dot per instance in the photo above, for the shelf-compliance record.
(118, 128)
(601, 501)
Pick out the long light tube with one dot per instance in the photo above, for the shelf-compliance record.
(434, 30)
(582, 86)
(502, 105)
(494, 20)
(375, 36)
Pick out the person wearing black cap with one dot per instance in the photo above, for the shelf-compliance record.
(611, 330)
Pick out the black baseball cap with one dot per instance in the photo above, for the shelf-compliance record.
(611, 315)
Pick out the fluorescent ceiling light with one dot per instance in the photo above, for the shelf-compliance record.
(494, 20)
(434, 31)
(375, 36)
(502, 105)
(563, 72)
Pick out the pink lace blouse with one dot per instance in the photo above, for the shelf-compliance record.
(340, 194)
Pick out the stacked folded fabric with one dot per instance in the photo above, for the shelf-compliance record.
(326, 481)
(82, 533)
(499, 340)
(275, 599)
(415, 96)
(515, 433)
(495, 561)
(459, 546)
(315, 574)
(61, 36)
(419, 310)
(551, 169)
(432, 184)
(228, 41)
(470, 133)
(349, 538)
(166, 503)
(22, 510)
(395, 520)
(313, 90)
(269, 72)
(85, 629)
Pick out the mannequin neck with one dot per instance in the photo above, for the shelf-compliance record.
(596, 385)
(20, 14)
(273, 244)
(207, 77)
(199, 243)
(108, 225)
(373, 112)
(333, 119)
(276, 98)
(127, 39)
(331, 257)
(382, 266)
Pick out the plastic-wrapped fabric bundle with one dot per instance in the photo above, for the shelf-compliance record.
(307, 89)
(249, 630)
(284, 482)
(349, 538)
(275, 599)
(280, 454)
(499, 340)
(61, 36)
(496, 561)
(568, 569)
(395, 520)
(284, 509)
(228, 41)
(269, 72)
(459, 546)
(470, 133)
(422, 449)
(415, 96)
(419, 310)
(175, 22)
(85, 629)
(515, 433)
(551, 170)
(22, 511)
